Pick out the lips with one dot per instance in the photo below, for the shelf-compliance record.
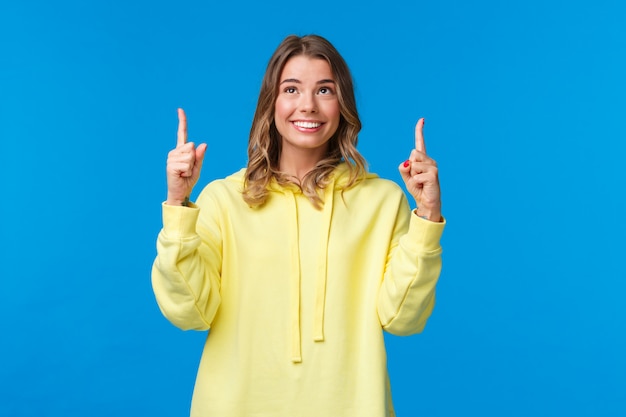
(306, 125)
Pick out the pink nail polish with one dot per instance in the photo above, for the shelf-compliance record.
(406, 163)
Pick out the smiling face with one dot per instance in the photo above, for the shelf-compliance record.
(306, 111)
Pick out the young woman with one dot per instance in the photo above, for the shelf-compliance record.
(298, 262)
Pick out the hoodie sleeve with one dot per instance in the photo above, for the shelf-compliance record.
(187, 268)
(407, 294)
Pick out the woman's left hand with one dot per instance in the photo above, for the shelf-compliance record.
(420, 175)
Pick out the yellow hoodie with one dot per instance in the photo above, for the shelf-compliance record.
(296, 298)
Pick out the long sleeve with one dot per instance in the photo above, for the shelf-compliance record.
(186, 271)
(407, 294)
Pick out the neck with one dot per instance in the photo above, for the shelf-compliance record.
(298, 163)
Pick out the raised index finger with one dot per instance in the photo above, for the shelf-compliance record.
(182, 128)
(420, 146)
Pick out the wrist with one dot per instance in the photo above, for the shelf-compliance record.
(185, 202)
(430, 215)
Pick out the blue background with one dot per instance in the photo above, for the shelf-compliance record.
(525, 105)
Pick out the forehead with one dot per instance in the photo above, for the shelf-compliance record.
(305, 68)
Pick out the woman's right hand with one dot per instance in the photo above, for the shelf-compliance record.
(183, 165)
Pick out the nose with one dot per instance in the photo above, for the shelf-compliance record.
(308, 103)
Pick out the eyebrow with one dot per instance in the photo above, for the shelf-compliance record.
(295, 80)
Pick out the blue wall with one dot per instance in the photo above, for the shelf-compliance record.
(525, 105)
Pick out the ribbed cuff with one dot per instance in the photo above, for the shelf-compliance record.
(180, 221)
(425, 234)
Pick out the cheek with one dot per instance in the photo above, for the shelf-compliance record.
(281, 110)
(281, 114)
(333, 113)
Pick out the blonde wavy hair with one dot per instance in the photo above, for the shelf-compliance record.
(264, 145)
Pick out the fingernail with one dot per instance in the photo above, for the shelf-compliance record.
(423, 121)
(406, 163)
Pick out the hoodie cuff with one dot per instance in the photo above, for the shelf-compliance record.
(424, 234)
(180, 221)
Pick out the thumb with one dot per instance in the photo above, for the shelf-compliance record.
(405, 170)
(200, 152)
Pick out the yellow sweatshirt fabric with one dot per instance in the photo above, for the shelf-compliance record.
(296, 298)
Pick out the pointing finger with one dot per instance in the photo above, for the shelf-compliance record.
(419, 136)
(182, 128)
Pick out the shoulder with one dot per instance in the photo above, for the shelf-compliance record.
(374, 183)
(375, 195)
(223, 189)
(369, 181)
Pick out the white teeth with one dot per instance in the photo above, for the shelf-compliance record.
(307, 125)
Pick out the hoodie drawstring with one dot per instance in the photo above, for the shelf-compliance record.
(296, 349)
(296, 273)
(322, 265)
